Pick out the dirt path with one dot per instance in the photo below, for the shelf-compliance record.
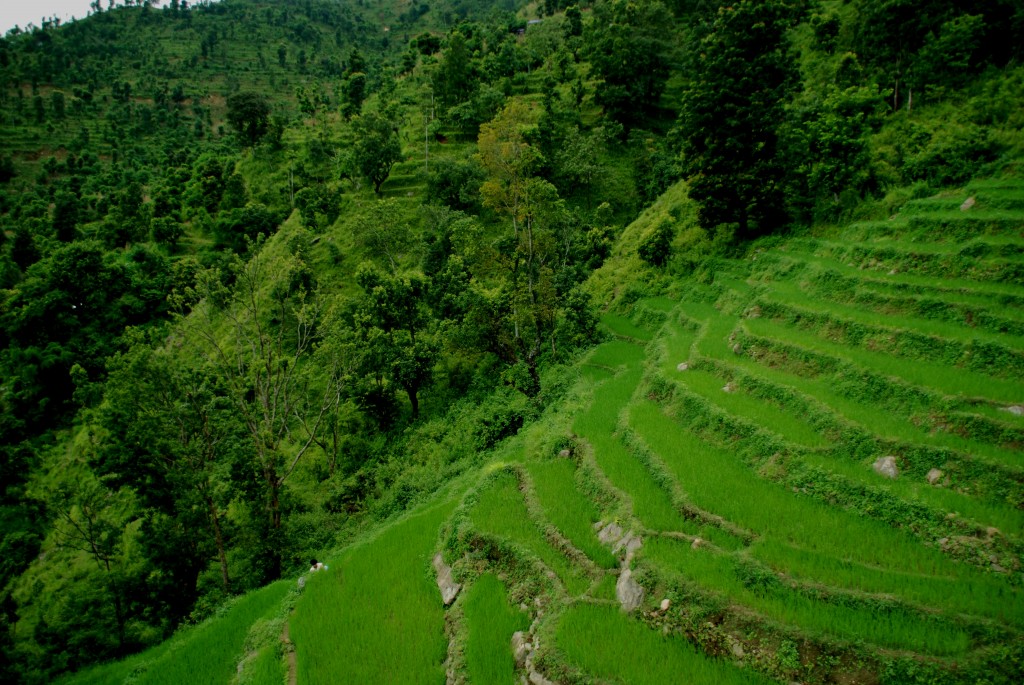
(289, 650)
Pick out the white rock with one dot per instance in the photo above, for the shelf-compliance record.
(610, 534)
(886, 466)
(445, 582)
(682, 367)
(934, 476)
(628, 591)
(1016, 409)
(968, 203)
(696, 543)
(521, 648)
(665, 604)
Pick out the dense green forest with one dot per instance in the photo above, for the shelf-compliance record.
(272, 273)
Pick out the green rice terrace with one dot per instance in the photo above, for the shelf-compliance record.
(807, 468)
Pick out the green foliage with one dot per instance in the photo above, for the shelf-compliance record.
(453, 81)
(501, 511)
(377, 147)
(397, 628)
(491, 622)
(249, 115)
(606, 642)
(729, 125)
(143, 482)
(627, 44)
(656, 248)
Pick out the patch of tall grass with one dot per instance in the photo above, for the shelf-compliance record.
(568, 509)
(622, 326)
(501, 511)
(651, 503)
(794, 296)
(614, 354)
(207, 653)
(771, 417)
(978, 595)
(375, 616)
(810, 254)
(605, 588)
(884, 424)
(718, 482)
(950, 380)
(1006, 518)
(490, 622)
(677, 345)
(889, 626)
(608, 644)
(266, 668)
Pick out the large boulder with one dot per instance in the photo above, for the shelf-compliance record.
(445, 582)
(886, 466)
(521, 647)
(610, 534)
(628, 591)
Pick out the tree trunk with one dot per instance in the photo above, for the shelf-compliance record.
(215, 520)
(414, 401)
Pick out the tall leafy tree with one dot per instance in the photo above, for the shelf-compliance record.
(630, 49)
(170, 434)
(273, 319)
(528, 306)
(377, 147)
(249, 115)
(743, 75)
(453, 80)
(393, 315)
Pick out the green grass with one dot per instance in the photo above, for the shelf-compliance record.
(885, 424)
(375, 616)
(568, 509)
(978, 596)
(677, 345)
(718, 482)
(795, 298)
(605, 588)
(651, 503)
(891, 627)
(267, 668)
(609, 645)
(501, 511)
(615, 354)
(208, 653)
(813, 254)
(949, 380)
(1006, 518)
(738, 403)
(622, 327)
(490, 622)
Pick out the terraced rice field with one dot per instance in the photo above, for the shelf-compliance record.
(736, 431)
(718, 516)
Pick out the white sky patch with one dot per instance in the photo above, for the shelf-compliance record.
(21, 13)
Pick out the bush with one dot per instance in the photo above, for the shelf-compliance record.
(656, 247)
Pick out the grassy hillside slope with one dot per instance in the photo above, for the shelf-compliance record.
(722, 451)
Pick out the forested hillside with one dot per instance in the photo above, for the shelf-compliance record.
(275, 274)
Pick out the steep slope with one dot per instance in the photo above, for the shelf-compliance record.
(772, 476)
